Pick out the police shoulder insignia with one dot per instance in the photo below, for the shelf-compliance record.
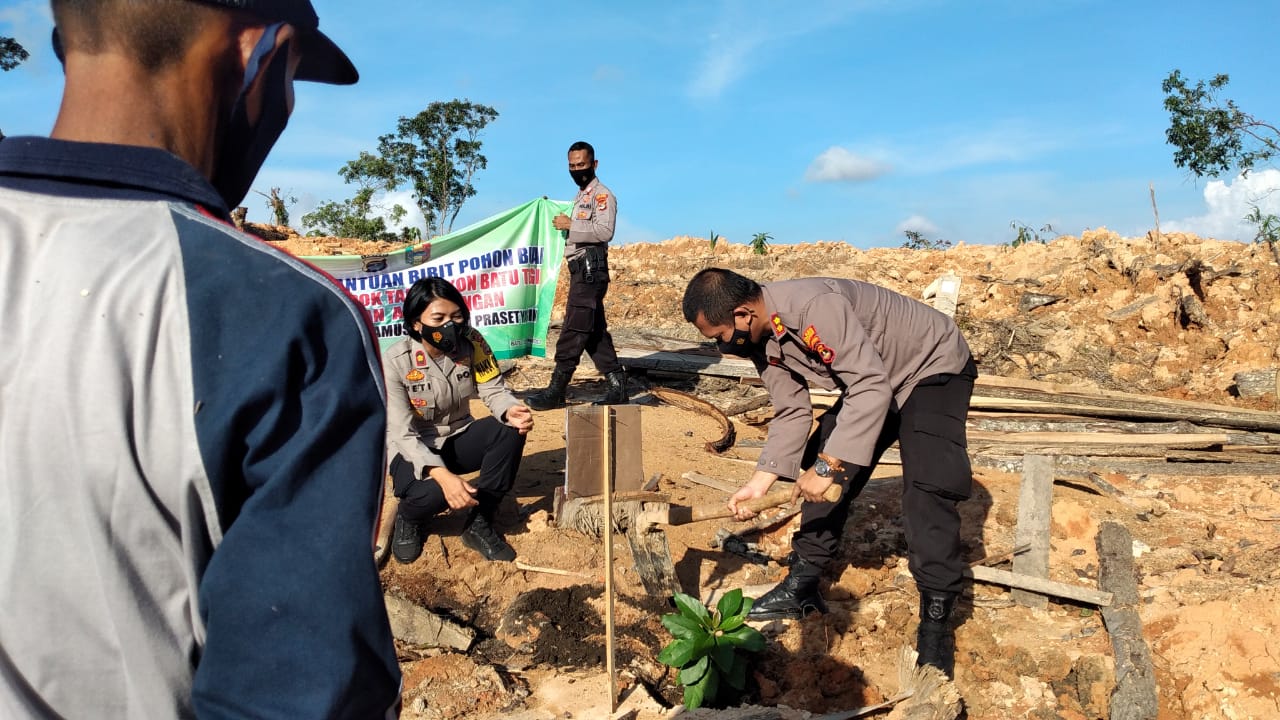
(414, 375)
(420, 358)
(602, 201)
(778, 328)
(814, 342)
(483, 364)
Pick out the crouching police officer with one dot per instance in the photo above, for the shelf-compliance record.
(431, 435)
(905, 374)
(587, 235)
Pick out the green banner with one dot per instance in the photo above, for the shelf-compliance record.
(506, 267)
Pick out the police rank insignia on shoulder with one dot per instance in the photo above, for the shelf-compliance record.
(420, 358)
(602, 201)
(414, 375)
(814, 342)
(483, 364)
(778, 328)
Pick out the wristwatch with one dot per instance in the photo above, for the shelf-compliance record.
(822, 469)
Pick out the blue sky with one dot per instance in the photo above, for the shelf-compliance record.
(810, 121)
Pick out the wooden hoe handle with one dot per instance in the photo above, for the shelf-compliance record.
(773, 499)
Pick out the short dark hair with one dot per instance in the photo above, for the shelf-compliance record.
(422, 294)
(715, 293)
(584, 145)
(155, 33)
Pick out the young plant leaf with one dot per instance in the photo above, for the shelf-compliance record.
(692, 673)
(730, 604)
(678, 653)
(736, 676)
(722, 654)
(681, 626)
(745, 637)
(693, 608)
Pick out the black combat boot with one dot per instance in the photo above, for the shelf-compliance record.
(935, 641)
(406, 543)
(795, 597)
(480, 536)
(552, 396)
(617, 393)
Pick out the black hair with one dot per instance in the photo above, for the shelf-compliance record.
(420, 296)
(715, 293)
(584, 145)
(155, 33)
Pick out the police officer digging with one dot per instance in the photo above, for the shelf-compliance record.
(431, 435)
(904, 373)
(587, 235)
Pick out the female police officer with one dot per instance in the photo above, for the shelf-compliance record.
(432, 437)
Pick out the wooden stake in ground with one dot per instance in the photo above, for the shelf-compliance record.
(608, 455)
(1135, 695)
(1035, 506)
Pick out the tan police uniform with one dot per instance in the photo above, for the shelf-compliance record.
(429, 424)
(595, 211)
(905, 374)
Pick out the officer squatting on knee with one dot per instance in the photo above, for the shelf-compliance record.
(905, 374)
(587, 235)
(431, 435)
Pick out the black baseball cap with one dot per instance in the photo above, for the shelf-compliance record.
(322, 60)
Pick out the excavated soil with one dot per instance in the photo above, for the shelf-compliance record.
(1176, 316)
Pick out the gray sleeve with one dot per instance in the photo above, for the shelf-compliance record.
(792, 418)
(402, 437)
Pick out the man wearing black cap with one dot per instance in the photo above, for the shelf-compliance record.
(188, 484)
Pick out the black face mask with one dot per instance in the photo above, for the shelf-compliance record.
(446, 338)
(583, 177)
(245, 147)
(739, 343)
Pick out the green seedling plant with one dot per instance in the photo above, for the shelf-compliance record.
(710, 649)
(760, 243)
(714, 238)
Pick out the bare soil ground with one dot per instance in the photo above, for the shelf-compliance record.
(1208, 548)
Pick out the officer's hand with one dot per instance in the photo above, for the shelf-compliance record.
(562, 222)
(750, 491)
(520, 417)
(810, 486)
(459, 493)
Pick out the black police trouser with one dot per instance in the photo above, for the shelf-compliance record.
(936, 475)
(584, 325)
(485, 445)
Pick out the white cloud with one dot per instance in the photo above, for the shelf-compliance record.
(917, 223)
(837, 164)
(412, 218)
(723, 64)
(1229, 203)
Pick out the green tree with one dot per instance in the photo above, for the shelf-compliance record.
(437, 152)
(760, 243)
(1212, 136)
(1027, 235)
(11, 55)
(917, 241)
(361, 216)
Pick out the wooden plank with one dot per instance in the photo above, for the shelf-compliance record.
(645, 359)
(1108, 402)
(721, 485)
(1035, 506)
(1135, 695)
(1167, 440)
(584, 449)
(994, 576)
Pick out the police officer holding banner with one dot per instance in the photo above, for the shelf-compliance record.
(904, 374)
(587, 235)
